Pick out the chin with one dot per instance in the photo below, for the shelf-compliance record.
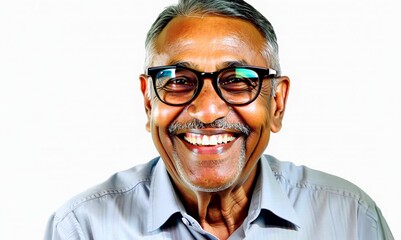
(218, 181)
(214, 188)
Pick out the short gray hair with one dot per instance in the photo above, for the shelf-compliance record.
(227, 8)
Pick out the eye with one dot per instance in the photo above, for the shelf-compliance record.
(238, 83)
(179, 84)
(175, 80)
(238, 80)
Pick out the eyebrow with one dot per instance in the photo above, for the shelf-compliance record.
(219, 66)
(238, 63)
(184, 64)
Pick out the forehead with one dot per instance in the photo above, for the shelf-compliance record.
(200, 39)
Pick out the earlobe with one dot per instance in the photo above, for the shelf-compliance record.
(146, 99)
(278, 103)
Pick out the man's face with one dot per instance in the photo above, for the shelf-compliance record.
(208, 44)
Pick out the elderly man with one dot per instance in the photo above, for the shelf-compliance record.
(213, 92)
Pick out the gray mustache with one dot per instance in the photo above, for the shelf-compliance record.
(219, 123)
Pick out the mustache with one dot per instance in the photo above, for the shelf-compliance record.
(219, 123)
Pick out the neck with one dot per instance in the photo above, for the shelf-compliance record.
(221, 213)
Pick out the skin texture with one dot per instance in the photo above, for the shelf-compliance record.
(214, 183)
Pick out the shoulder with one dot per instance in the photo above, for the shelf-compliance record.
(121, 183)
(337, 202)
(307, 179)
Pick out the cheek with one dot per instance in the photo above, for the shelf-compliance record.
(162, 115)
(159, 117)
(256, 115)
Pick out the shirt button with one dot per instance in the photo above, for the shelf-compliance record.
(185, 221)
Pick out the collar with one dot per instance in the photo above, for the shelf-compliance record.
(163, 200)
(270, 196)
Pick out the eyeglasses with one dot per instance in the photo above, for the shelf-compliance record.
(177, 86)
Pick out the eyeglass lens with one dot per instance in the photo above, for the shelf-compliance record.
(179, 85)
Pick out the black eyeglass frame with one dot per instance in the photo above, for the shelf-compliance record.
(263, 73)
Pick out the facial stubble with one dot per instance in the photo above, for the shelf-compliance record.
(184, 176)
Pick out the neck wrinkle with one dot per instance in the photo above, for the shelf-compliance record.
(221, 213)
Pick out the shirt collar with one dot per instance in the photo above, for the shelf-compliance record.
(163, 199)
(271, 196)
(267, 194)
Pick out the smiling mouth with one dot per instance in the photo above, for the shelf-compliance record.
(208, 140)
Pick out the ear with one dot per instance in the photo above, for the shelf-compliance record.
(278, 103)
(146, 98)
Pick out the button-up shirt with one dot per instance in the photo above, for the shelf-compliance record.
(288, 202)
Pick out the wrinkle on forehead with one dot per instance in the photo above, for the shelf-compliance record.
(206, 40)
(212, 43)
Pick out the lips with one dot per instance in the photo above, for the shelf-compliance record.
(208, 140)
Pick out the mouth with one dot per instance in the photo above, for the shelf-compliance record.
(208, 140)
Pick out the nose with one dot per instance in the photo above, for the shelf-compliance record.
(208, 106)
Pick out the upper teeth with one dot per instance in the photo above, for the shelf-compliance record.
(197, 139)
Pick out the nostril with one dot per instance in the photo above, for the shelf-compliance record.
(207, 110)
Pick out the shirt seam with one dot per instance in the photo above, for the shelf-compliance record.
(337, 191)
(320, 187)
(97, 195)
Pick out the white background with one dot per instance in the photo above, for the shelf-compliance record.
(71, 110)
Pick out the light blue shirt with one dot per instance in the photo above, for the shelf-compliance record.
(288, 202)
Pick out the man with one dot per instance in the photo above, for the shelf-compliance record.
(213, 92)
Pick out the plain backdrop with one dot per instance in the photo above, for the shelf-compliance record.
(71, 110)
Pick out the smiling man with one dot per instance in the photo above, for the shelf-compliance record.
(213, 93)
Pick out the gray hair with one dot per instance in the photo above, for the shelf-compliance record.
(228, 8)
